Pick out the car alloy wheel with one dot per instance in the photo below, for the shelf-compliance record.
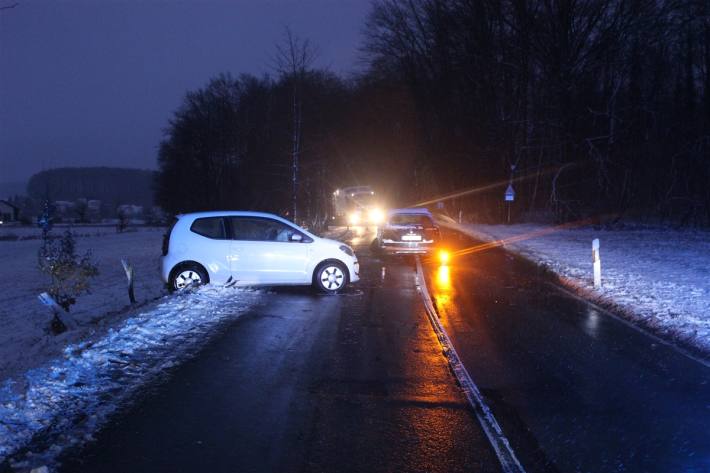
(188, 276)
(331, 277)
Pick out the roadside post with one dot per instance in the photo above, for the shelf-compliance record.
(61, 320)
(510, 192)
(128, 268)
(509, 198)
(596, 260)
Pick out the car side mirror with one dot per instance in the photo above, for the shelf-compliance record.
(296, 237)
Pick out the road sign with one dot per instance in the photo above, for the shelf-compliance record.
(509, 193)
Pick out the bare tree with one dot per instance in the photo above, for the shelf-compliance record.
(293, 60)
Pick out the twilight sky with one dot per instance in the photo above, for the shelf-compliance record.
(93, 82)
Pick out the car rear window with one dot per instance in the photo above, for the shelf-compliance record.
(411, 219)
(210, 227)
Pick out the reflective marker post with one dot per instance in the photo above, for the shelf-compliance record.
(128, 268)
(61, 320)
(597, 261)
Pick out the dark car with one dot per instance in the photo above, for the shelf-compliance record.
(408, 231)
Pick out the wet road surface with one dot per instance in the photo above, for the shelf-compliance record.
(573, 388)
(355, 382)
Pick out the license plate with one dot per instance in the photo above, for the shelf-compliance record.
(411, 238)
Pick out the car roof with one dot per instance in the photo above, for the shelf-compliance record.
(413, 210)
(240, 213)
(227, 213)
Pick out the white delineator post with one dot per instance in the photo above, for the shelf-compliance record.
(59, 314)
(596, 260)
(128, 268)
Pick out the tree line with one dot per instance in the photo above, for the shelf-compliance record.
(593, 108)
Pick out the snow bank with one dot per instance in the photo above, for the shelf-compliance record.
(66, 400)
(657, 277)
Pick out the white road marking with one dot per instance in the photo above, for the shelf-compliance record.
(509, 462)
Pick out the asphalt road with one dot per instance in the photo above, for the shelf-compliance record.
(357, 382)
(306, 383)
(573, 388)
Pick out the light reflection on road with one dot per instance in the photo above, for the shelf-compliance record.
(443, 288)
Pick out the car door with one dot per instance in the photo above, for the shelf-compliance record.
(268, 251)
(208, 245)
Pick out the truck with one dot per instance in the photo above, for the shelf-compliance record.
(357, 205)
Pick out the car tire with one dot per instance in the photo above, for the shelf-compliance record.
(187, 275)
(330, 277)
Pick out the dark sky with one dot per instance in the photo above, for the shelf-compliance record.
(94, 82)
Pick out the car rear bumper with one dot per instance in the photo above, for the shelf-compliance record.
(407, 248)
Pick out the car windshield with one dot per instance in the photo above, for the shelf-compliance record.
(411, 219)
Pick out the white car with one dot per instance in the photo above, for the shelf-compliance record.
(253, 249)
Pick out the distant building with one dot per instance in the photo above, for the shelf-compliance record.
(63, 210)
(130, 210)
(94, 210)
(8, 212)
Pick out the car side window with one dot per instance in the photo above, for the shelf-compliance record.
(210, 227)
(262, 229)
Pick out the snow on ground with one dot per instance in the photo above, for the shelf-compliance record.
(657, 277)
(24, 232)
(67, 399)
(24, 341)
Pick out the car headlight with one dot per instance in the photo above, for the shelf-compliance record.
(347, 250)
(376, 216)
(354, 218)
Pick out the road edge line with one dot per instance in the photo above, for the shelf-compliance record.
(509, 462)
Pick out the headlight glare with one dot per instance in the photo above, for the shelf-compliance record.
(376, 216)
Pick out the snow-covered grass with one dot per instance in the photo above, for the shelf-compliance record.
(13, 232)
(657, 277)
(68, 398)
(24, 341)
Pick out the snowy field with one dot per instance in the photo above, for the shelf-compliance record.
(11, 233)
(24, 341)
(657, 277)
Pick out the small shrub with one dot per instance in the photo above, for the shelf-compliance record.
(70, 274)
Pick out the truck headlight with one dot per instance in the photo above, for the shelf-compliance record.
(376, 216)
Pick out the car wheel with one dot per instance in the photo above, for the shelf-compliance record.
(188, 275)
(330, 277)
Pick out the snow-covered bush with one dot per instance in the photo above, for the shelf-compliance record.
(70, 274)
